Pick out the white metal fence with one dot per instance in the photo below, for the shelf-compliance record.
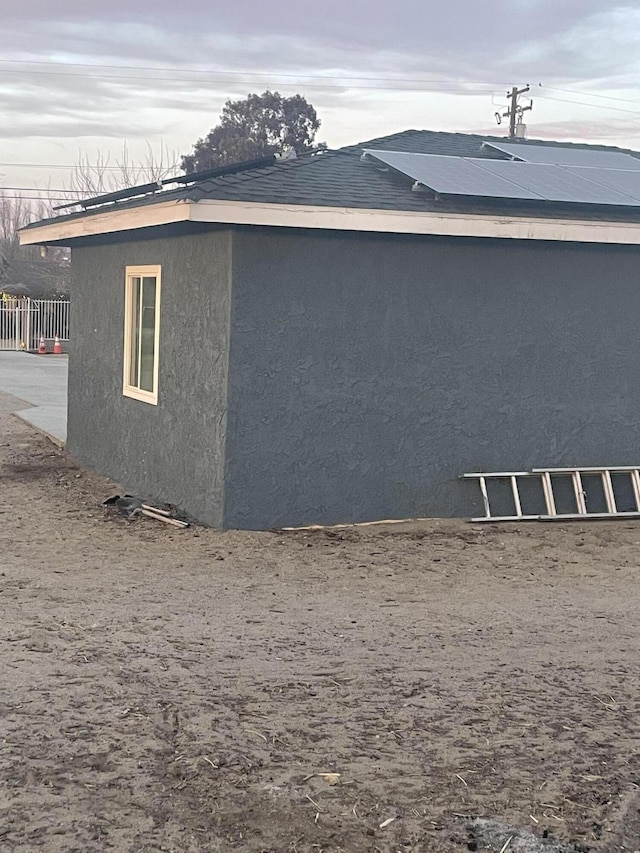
(23, 321)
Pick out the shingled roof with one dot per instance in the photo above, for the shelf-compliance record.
(341, 179)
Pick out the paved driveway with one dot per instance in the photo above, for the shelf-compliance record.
(39, 383)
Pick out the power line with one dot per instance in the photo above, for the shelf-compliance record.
(457, 84)
(433, 86)
(35, 198)
(591, 95)
(54, 166)
(244, 73)
(436, 85)
(461, 90)
(334, 82)
(584, 104)
(38, 190)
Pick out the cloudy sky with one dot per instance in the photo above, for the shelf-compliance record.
(87, 76)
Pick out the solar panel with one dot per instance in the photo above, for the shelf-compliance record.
(558, 183)
(220, 171)
(619, 180)
(510, 179)
(452, 175)
(556, 155)
(119, 195)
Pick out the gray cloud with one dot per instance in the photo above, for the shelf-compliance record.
(616, 132)
(461, 38)
(480, 47)
(410, 26)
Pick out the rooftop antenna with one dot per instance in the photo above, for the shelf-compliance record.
(517, 128)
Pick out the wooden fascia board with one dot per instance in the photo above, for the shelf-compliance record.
(410, 222)
(335, 219)
(106, 222)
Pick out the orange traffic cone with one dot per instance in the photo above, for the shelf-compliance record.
(57, 346)
(42, 348)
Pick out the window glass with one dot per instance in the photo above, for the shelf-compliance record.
(147, 332)
(135, 330)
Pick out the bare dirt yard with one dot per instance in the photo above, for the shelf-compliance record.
(436, 687)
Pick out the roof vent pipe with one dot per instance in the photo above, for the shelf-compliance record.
(287, 153)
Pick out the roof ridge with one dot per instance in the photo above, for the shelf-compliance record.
(442, 134)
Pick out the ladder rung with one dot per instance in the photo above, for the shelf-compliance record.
(609, 497)
(485, 497)
(635, 482)
(547, 488)
(581, 503)
(516, 495)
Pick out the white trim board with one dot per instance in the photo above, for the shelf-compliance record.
(128, 389)
(335, 219)
(105, 221)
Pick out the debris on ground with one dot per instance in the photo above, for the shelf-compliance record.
(491, 835)
(128, 505)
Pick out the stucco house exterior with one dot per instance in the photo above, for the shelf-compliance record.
(336, 338)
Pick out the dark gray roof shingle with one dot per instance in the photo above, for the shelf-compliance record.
(341, 179)
(335, 179)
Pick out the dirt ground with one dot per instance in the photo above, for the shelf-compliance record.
(435, 687)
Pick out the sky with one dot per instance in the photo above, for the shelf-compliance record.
(82, 78)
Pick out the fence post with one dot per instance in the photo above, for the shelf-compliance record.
(17, 326)
(26, 326)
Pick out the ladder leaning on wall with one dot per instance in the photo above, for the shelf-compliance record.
(546, 478)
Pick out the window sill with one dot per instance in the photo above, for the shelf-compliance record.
(137, 394)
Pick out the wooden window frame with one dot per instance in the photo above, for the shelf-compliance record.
(133, 391)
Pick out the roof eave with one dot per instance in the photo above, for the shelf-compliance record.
(222, 212)
(104, 221)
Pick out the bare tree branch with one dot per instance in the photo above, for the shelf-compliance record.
(95, 177)
(23, 269)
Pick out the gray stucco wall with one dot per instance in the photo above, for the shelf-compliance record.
(173, 451)
(368, 372)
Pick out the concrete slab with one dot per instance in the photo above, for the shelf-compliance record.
(41, 383)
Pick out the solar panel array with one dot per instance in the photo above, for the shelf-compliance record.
(555, 155)
(510, 179)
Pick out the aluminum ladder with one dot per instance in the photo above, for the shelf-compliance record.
(546, 477)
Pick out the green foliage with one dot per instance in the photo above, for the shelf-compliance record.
(255, 127)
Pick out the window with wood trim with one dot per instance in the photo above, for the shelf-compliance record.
(142, 333)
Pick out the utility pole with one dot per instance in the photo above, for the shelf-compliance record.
(514, 110)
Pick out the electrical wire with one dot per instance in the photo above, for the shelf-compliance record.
(297, 77)
(54, 166)
(445, 87)
(338, 81)
(37, 189)
(35, 198)
(241, 73)
(282, 74)
(590, 95)
(299, 83)
(584, 104)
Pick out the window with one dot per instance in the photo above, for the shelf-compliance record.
(141, 333)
